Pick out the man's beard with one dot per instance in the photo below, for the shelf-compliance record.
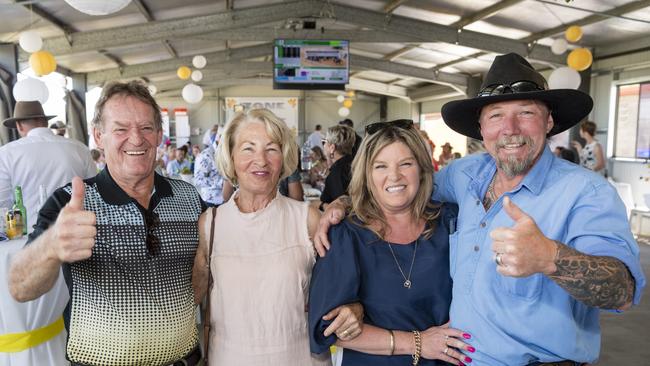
(511, 165)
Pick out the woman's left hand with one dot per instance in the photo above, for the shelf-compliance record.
(348, 321)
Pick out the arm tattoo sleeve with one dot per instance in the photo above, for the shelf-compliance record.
(599, 281)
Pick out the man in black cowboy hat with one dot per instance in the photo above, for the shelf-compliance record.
(38, 159)
(541, 244)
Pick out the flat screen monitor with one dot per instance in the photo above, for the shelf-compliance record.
(310, 64)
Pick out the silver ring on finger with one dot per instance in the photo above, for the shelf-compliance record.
(446, 338)
(498, 259)
(445, 351)
(345, 333)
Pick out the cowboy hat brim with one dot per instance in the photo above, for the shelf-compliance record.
(11, 122)
(568, 107)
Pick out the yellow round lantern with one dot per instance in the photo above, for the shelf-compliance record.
(573, 33)
(579, 59)
(184, 72)
(351, 93)
(42, 62)
(347, 103)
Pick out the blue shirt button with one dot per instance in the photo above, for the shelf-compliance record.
(476, 248)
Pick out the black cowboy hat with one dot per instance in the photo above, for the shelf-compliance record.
(511, 77)
(26, 110)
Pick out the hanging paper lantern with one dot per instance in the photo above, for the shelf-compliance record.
(564, 78)
(98, 7)
(559, 46)
(351, 93)
(347, 103)
(30, 41)
(31, 89)
(580, 59)
(152, 89)
(197, 75)
(573, 33)
(192, 93)
(199, 61)
(340, 98)
(344, 112)
(42, 62)
(184, 72)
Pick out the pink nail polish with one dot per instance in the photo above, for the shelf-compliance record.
(471, 349)
(461, 364)
(466, 336)
(467, 359)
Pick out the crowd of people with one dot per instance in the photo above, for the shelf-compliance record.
(401, 264)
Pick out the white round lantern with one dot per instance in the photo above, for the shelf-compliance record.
(340, 98)
(564, 78)
(30, 41)
(559, 46)
(199, 61)
(196, 75)
(152, 89)
(31, 89)
(98, 7)
(192, 93)
(344, 112)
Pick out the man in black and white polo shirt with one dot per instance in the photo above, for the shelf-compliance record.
(126, 242)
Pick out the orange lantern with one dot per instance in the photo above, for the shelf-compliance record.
(573, 33)
(347, 103)
(579, 59)
(42, 62)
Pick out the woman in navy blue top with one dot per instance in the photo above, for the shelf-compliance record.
(392, 255)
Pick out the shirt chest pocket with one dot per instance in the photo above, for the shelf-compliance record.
(526, 288)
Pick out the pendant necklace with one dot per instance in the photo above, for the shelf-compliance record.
(407, 279)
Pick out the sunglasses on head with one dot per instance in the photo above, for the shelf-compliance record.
(404, 124)
(516, 87)
(152, 221)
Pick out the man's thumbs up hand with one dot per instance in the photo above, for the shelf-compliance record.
(522, 249)
(74, 230)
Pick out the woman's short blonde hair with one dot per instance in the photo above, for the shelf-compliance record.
(365, 204)
(275, 128)
(342, 137)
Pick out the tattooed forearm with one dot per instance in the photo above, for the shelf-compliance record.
(603, 282)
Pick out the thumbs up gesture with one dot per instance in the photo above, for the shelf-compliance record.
(74, 230)
(522, 249)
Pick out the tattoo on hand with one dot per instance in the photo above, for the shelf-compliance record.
(600, 281)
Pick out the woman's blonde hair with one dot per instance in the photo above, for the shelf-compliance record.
(342, 137)
(275, 128)
(364, 202)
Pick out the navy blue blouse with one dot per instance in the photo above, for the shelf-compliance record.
(360, 268)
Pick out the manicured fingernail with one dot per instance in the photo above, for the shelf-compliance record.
(466, 336)
(467, 359)
(461, 364)
(471, 349)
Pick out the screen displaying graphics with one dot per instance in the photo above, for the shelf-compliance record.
(310, 64)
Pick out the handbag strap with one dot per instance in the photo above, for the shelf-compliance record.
(206, 318)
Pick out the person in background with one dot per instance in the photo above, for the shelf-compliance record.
(338, 145)
(168, 155)
(591, 155)
(210, 135)
(39, 160)
(542, 245)
(196, 150)
(207, 178)
(319, 169)
(457, 155)
(125, 241)
(58, 128)
(357, 141)
(180, 164)
(262, 254)
(98, 158)
(430, 148)
(291, 186)
(392, 255)
(445, 156)
(566, 154)
(315, 139)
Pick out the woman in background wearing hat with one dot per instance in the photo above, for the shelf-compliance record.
(445, 156)
(541, 244)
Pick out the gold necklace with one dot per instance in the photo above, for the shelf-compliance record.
(407, 280)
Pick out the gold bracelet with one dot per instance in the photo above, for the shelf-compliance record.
(392, 342)
(418, 347)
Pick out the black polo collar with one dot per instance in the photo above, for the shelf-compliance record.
(113, 194)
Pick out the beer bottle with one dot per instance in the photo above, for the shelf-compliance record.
(19, 208)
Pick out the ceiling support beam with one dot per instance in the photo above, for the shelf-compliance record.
(394, 4)
(178, 28)
(484, 13)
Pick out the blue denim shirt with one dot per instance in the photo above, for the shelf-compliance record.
(516, 321)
